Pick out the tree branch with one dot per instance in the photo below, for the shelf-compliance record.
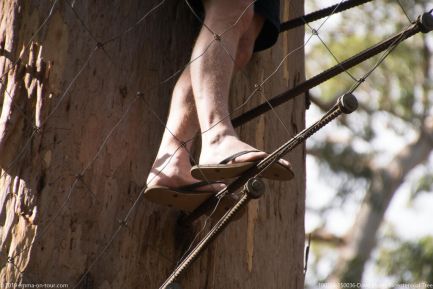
(386, 181)
(321, 235)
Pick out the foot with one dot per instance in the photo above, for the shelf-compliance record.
(172, 169)
(215, 151)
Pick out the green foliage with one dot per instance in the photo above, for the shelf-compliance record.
(396, 97)
(393, 86)
(344, 159)
(409, 262)
(399, 86)
(423, 184)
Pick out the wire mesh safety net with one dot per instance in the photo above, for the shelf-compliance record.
(98, 47)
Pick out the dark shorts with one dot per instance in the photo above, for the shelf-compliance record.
(269, 9)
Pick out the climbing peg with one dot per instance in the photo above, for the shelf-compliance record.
(348, 103)
(255, 188)
(426, 22)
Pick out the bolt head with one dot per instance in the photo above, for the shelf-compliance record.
(348, 103)
(255, 188)
(426, 22)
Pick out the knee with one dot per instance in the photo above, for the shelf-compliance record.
(247, 42)
(244, 53)
(244, 15)
(234, 14)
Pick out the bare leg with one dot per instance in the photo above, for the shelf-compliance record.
(171, 167)
(211, 76)
(172, 164)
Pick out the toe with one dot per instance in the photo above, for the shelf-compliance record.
(285, 163)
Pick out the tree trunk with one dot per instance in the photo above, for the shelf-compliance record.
(76, 144)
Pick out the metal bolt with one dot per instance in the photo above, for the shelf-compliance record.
(427, 22)
(255, 188)
(348, 103)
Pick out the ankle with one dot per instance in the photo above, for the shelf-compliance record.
(215, 138)
(174, 152)
(173, 145)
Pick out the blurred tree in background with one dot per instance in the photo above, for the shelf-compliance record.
(409, 261)
(378, 151)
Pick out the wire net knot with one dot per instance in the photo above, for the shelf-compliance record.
(258, 87)
(37, 130)
(99, 45)
(122, 222)
(79, 176)
(182, 144)
(217, 37)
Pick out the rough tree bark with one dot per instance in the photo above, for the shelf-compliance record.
(76, 145)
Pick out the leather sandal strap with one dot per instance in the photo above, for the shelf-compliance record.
(233, 157)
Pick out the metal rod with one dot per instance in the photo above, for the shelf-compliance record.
(346, 104)
(253, 189)
(326, 75)
(219, 226)
(316, 15)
